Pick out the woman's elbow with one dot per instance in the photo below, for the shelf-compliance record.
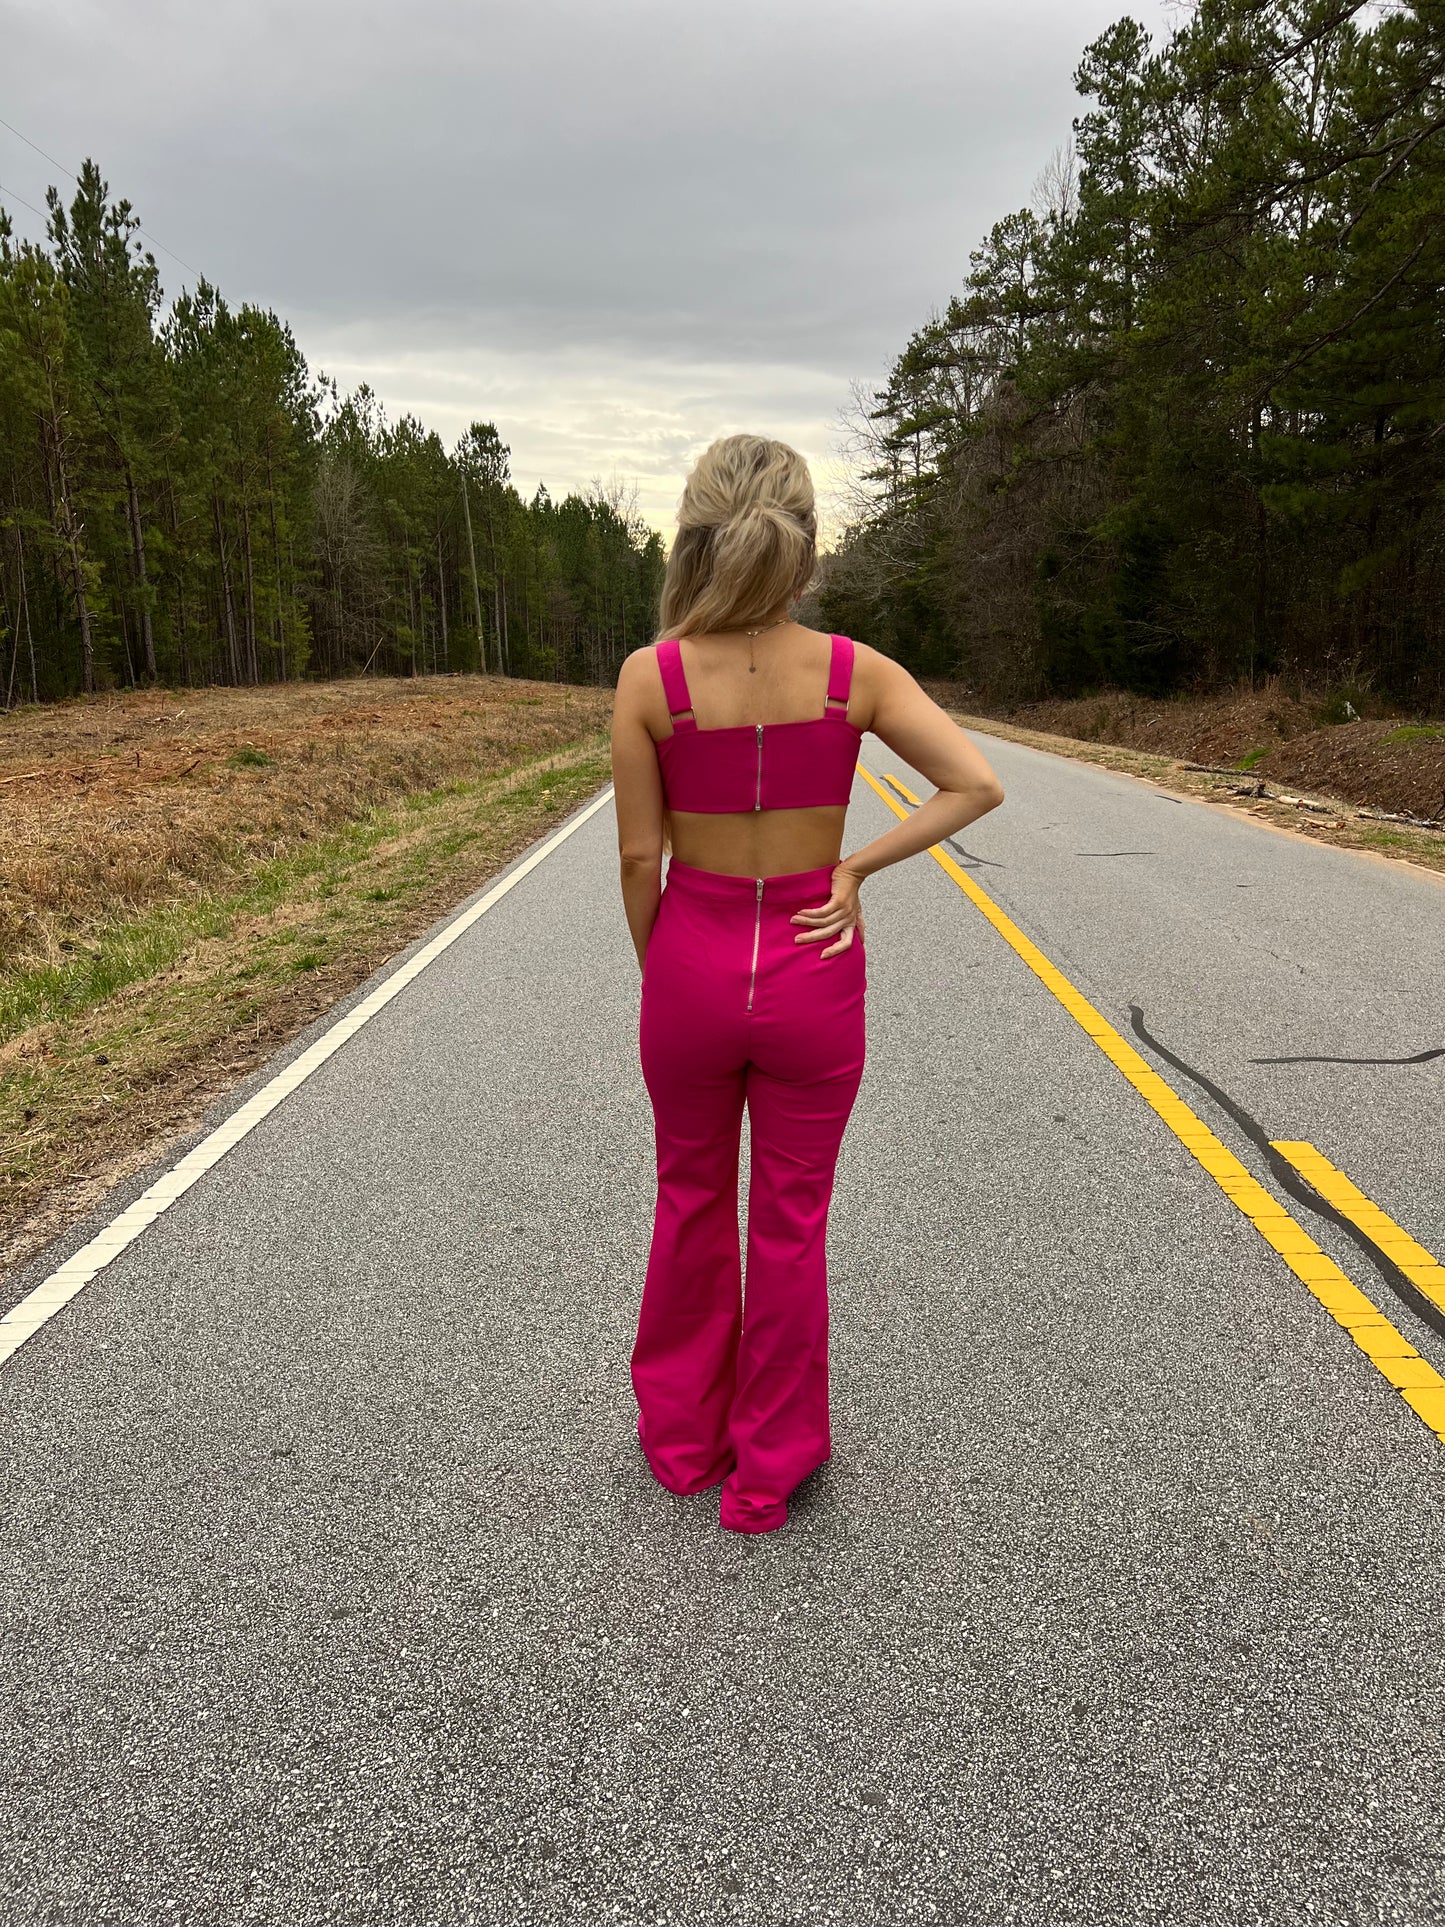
(980, 794)
(638, 858)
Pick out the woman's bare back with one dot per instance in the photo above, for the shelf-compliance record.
(786, 683)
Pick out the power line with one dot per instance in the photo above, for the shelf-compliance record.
(74, 177)
(39, 150)
(18, 197)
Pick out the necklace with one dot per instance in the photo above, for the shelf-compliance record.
(750, 633)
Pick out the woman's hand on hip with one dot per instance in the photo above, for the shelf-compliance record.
(838, 918)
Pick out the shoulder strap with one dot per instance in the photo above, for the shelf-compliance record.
(840, 672)
(674, 684)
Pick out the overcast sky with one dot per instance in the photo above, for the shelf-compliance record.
(614, 227)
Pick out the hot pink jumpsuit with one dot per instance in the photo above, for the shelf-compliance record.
(735, 1012)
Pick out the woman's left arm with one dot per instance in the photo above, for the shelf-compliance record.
(965, 788)
(638, 785)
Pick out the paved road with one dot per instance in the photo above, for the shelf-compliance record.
(335, 1589)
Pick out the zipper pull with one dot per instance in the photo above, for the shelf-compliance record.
(760, 889)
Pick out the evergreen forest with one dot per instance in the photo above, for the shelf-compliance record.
(182, 501)
(1183, 425)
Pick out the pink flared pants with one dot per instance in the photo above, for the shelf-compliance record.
(735, 1013)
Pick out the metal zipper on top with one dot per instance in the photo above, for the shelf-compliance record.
(757, 939)
(758, 793)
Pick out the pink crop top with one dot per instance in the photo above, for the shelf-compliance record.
(758, 766)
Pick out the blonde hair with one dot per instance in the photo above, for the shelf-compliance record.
(747, 537)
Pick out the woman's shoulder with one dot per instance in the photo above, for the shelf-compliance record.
(871, 668)
(639, 664)
(860, 649)
(639, 682)
(870, 663)
(824, 639)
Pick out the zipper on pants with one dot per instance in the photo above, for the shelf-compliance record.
(757, 939)
(758, 907)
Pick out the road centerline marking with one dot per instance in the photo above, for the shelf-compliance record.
(52, 1294)
(1414, 1378)
(1407, 1254)
(1294, 1185)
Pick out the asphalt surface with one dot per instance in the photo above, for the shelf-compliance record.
(334, 1588)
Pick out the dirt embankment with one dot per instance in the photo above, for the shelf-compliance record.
(1380, 762)
(111, 805)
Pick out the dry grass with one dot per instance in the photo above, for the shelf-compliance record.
(114, 804)
(176, 908)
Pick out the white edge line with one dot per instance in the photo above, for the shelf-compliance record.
(40, 1304)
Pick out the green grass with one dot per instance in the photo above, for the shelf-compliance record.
(1253, 756)
(1415, 733)
(248, 758)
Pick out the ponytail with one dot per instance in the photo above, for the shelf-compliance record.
(747, 537)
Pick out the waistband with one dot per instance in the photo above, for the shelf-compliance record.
(805, 885)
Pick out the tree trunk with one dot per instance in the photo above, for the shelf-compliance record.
(130, 675)
(253, 660)
(276, 564)
(14, 654)
(137, 535)
(70, 534)
(29, 633)
(57, 489)
(442, 599)
(1261, 550)
(476, 587)
(82, 605)
(291, 570)
(496, 583)
(185, 628)
(232, 653)
(25, 604)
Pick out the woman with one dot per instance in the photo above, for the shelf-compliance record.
(734, 741)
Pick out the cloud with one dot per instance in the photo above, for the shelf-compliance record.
(574, 413)
(615, 228)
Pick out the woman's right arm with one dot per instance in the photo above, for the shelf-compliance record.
(927, 738)
(638, 784)
(913, 725)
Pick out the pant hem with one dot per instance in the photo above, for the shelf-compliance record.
(692, 1487)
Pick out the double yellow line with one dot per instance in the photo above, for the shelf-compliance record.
(1413, 1377)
